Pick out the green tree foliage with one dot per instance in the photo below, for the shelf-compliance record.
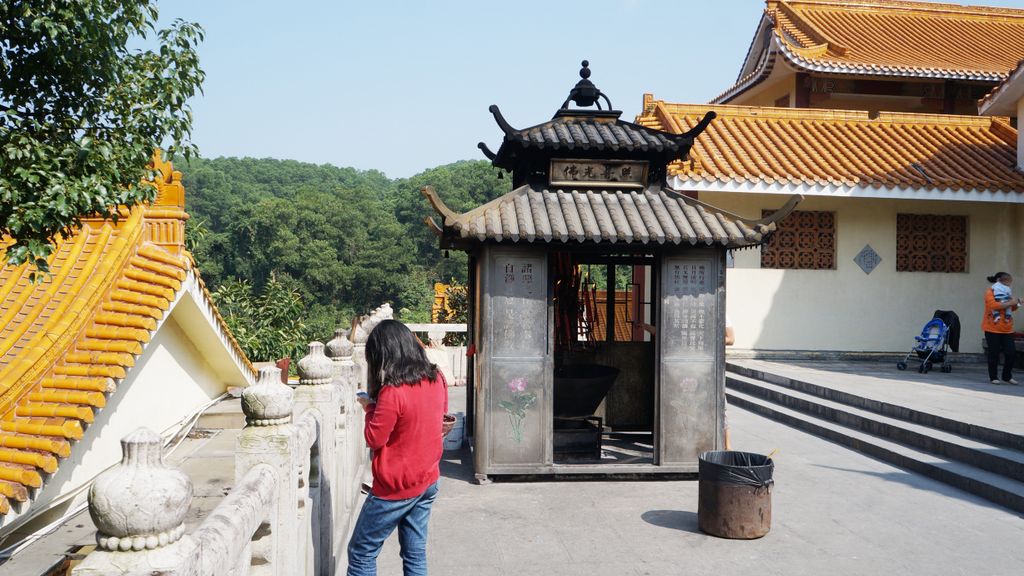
(267, 324)
(463, 186)
(344, 240)
(81, 113)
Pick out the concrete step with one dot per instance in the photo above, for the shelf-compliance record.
(968, 430)
(997, 459)
(988, 485)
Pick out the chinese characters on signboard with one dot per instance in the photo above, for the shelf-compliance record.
(690, 311)
(519, 273)
(518, 307)
(618, 173)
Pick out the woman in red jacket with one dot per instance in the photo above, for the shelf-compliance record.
(404, 410)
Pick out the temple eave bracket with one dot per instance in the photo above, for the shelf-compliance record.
(502, 123)
(439, 206)
(781, 213)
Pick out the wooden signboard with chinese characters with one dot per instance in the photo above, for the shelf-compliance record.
(619, 173)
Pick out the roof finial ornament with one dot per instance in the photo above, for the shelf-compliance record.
(585, 71)
(585, 93)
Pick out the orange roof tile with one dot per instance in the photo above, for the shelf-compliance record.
(885, 38)
(66, 342)
(1002, 100)
(789, 148)
(623, 324)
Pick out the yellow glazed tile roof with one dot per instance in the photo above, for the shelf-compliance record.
(905, 37)
(1002, 100)
(66, 342)
(887, 38)
(787, 147)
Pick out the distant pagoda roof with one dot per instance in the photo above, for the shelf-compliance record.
(593, 131)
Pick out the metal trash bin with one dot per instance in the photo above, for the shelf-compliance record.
(735, 494)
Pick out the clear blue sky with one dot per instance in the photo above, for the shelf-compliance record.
(401, 86)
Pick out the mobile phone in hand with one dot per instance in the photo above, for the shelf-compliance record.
(363, 396)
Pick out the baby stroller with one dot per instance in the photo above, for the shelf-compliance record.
(930, 347)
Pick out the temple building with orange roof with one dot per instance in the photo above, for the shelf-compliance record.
(887, 55)
(122, 333)
(870, 110)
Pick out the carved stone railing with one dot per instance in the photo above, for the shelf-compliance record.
(450, 359)
(299, 463)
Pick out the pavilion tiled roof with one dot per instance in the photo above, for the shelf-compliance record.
(788, 149)
(67, 342)
(588, 132)
(886, 38)
(531, 214)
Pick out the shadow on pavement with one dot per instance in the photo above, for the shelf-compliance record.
(458, 465)
(676, 519)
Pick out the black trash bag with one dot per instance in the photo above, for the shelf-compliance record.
(743, 468)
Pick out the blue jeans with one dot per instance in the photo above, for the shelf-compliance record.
(378, 519)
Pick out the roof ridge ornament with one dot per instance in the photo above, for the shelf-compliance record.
(585, 93)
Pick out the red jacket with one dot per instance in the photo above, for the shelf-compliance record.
(403, 428)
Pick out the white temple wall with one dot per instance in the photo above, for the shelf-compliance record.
(847, 310)
(170, 381)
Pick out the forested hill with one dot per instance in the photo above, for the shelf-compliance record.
(342, 240)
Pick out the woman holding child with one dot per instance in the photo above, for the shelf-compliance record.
(998, 326)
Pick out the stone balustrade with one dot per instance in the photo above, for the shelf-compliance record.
(450, 359)
(299, 463)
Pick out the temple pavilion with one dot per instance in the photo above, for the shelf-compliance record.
(560, 382)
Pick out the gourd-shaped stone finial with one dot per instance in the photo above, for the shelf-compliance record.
(340, 347)
(140, 504)
(367, 323)
(268, 402)
(315, 367)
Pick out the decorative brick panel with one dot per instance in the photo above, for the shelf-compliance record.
(804, 240)
(931, 243)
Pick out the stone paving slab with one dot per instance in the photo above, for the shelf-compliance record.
(834, 512)
(966, 394)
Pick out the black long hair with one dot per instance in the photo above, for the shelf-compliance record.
(394, 357)
(998, 277)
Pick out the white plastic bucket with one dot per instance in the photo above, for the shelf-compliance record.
(453, 441)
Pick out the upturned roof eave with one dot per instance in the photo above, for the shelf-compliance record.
(1002, 100)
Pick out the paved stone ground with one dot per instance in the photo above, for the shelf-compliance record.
(834, 512)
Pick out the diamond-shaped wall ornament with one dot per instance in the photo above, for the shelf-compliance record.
(867, 259)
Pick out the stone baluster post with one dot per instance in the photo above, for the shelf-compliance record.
(347, 433)
(139, 509)
(359, 336)
(268, 438)
(318, 394)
